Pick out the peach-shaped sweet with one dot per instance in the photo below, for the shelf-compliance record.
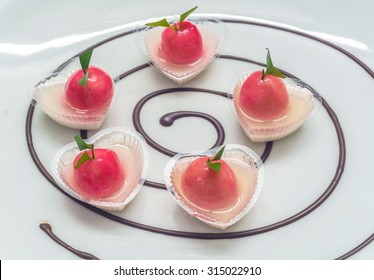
(184, 46)
(130, 148)
(263, 98)
(269, 105)
(95, 95)
(178, 67)
(237, 190)
(72, 105)
(209, 189)
(303, 102)
(102, 175)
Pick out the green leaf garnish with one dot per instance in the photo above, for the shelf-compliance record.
(219, 154)
(270, 69)
(216, 166)
(84, 79)
(165, 23)
(186, 14)
(162, 23)
(269, 62)
(82, 145)
(85, 157)
(84, 59)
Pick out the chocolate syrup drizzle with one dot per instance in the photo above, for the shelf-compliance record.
(83, 255)
(357, 248)
(168, 119)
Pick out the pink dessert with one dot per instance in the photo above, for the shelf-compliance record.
(107, 173)
(101, 175)
(270, 106)
(207, 188)
(182, 45)
(218, 191)
(263, 98)
(95, 95)
(182, 49)
(77, 98)
(181, 42)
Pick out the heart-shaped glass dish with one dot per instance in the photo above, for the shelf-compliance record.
(304, 103)
(131, 149)
(213, 33)
(50, 96)
(249, 173)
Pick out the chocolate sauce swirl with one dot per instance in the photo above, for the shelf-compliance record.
(168, 119)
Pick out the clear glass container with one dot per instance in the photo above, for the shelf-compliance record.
(248, 169)
(50, 97)
(213, 33)
(131, 149)
(303, 103)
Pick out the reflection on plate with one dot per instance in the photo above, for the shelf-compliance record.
(305, 192)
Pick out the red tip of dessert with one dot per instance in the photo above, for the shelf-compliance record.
(208, 189)
(95, 95)
(100, 177)
(263, 99)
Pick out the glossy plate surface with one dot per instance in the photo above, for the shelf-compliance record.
(317, 199)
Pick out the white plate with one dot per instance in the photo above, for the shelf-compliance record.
(314, 205)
